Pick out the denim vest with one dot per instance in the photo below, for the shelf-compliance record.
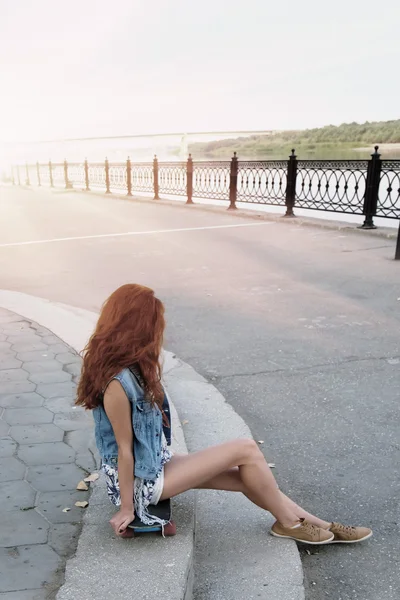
(147, 426)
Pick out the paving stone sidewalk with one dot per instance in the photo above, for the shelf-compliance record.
(46, 448)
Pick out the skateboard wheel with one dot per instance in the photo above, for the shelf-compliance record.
(170, 529)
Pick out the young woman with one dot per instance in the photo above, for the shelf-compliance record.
(121, 383)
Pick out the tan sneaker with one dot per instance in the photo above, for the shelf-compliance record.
(344, 534)
(306, 533)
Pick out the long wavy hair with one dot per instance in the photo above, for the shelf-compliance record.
(129, 333)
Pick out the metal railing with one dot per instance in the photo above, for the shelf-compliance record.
(368, 188)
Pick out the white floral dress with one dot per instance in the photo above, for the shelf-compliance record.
(146, 491)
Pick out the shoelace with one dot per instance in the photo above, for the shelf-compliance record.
(309, 527)
(347, 529)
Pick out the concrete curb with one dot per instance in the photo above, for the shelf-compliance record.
(299, 220)
(274, 571)
(235, 557)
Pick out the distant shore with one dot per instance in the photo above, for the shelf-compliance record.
(382, 148)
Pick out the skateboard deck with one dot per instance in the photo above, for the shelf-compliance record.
(162, 510)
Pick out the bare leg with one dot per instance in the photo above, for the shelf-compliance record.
(232, 482)
(195, 470)
(303, 514)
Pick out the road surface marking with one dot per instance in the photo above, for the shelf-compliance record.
(151, 232)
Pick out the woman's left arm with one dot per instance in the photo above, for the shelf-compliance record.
(118, 409)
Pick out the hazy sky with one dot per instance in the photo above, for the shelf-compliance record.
(97, 67)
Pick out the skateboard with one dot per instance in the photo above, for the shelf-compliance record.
(163, 511)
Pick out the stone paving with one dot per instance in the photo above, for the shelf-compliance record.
(46, 448)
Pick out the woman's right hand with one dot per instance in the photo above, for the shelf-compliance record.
(121, 520)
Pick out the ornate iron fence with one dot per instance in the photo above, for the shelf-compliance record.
(97, 176)
(142, 177)
(58, 174)
(76, 175)
(45, 173)
(358, 187)
(211, 179)
(118, 179)
(30, 174)
(335, 185)
(172, 178)
(262, 182)
(389, 190)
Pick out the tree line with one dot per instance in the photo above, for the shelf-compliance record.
(347, 134)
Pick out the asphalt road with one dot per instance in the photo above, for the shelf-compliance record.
(298, 327)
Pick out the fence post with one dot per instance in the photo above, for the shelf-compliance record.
(38, 174)
(68, 184)
(155, 176)
(107, 170)
(189, 180)
(233, 182)
(129, 176)
(51, 174)
(18, 176)
(27, 182)
(397, 254)
(291, 184)
(86, 169)
(372, 190)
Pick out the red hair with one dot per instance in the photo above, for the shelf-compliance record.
(129, 332)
